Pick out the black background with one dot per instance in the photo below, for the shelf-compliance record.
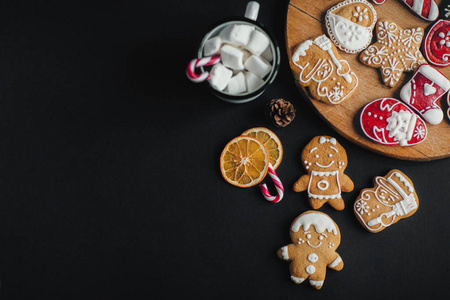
(110, 185)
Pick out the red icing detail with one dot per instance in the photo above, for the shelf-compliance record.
(374, 117)
(379, 1)
(419, 100)
(436, 53)
(409, 2)
(426, 8)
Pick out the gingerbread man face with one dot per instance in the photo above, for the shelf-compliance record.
(325, 160)
(324, 154)
(315, 238)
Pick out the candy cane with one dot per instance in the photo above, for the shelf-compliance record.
(278, 185)
(198, 62)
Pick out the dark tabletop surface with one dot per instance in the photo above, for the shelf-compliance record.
(110, 185)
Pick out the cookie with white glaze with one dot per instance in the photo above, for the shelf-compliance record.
(315, 238)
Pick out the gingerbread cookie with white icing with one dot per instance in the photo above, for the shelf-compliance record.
(325, 161)
(350, 24)
(396, 50)
(327, 76)
(391, 199)
(315, 238)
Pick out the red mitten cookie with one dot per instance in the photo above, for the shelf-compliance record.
(388, 121)
(423, 91)
(315, 238)
(437, 44)
(391, 199)
(325, 160)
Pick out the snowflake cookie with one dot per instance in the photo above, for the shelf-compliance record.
(315, 238)
(328, 76)
(396, 51)
(388, 121)
(350, 24)
(392, 198)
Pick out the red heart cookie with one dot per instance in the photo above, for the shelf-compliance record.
(437, 44)
(388, 121)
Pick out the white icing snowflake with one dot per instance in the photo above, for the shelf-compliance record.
(337, 93)
(374, 55)
(444, 39)
(361, 207)
(360, 15)
(419, 133)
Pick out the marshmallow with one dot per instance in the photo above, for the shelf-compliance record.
(237, 84)
(258, 66)
(258, 42)
(253, 82)
(267, 54)
(237, 35)
(212, 46)
(219, 76)
(232, 57)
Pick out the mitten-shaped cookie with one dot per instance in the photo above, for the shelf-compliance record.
(426, 9)
(423, 91)
(325, 161)
(436, 46)
(315, 238)
(393, 198)
(327, 76)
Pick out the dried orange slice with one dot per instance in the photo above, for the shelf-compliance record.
(270, 141)
(244, 161)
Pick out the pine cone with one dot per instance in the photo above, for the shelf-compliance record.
(280, 112)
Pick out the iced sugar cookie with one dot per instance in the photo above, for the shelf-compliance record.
(396, 51)
(327, 76)
(391, 199)
(350, 24)
(388, 121)
(315, 238)
(437, 44)
(325, 161)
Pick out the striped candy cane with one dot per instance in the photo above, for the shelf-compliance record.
(278, 185)
(198, 62)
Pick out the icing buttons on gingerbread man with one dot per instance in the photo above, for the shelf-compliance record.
(315, 238)
(325, 161)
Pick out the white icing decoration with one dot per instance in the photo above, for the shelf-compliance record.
(403, 200)
(284, 253)
(401, 126)
(316, 283)
(323, 185)
(323, 139)
(336, 262)
(347, 35)
(310, 269)
(297, 279)
(322, 70)
(332, 175)
(320, 221)
(313, 257)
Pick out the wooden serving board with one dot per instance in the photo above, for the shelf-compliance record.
(305, 20)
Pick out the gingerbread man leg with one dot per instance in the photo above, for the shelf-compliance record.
(337, 203)
(317, 278)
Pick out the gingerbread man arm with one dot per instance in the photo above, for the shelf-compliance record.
(283, 252)
(346, 183)
(301, 184)
(336, 264)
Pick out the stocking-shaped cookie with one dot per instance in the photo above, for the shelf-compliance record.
(315, 238)
(437, 44)
(388, 121)
(325, 161)
(423, 91)
(350, 24)
(426, 9)
(396, 51)
(327, 76)
(393, 198)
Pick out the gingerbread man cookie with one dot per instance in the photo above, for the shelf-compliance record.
(393, 198)
(328, 76)
(315, 237)
(325, 160)
(350, 24)
(396, 51)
